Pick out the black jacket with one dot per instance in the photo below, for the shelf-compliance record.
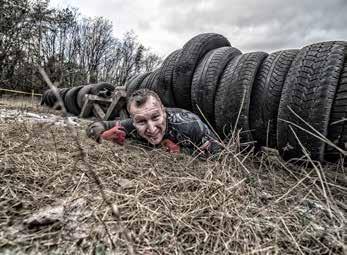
(183, 127)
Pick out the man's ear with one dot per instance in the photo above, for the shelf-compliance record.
(164, 109)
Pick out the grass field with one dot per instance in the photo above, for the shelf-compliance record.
(152, 202)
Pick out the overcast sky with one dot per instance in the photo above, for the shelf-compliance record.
(250, 25)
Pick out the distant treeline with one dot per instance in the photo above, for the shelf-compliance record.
(73, 49)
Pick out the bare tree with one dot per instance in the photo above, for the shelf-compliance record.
(14, 31)
(72, 50)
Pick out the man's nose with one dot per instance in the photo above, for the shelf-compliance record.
(150, 127)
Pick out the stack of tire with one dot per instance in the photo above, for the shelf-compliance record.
(292, 100)
(74, 98)
(49, 98)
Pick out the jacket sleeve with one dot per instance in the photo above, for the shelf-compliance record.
(202, 135)
(192, 130)
(127, 124)
(95, 129)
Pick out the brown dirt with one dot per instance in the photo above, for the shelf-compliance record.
(168, 204)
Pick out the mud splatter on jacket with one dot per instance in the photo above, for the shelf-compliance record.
(183, 127)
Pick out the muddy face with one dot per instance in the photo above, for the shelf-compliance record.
(150, 120)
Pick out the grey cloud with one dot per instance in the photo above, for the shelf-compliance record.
(144, 25)
(259, 25)
(265, 25)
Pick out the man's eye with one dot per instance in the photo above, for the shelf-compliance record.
(155, 117)
(141, 122)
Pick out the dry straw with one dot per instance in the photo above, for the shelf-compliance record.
(239, 203)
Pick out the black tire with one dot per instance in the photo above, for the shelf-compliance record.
(62, 93)
(151, 82)
(44, 97)
(93, 89)
(81, 95)
(145, 82)
(136, 83)
(101, 86)
(165, 78)
(51, 98)
(266, 96)
(130, 83)
(309, 91)
(192, 52)
(70, 101)
(206, 80)
(337, 130)
(233, 95)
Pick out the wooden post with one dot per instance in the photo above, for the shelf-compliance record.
(98, 112)
(116, 106)
(118, 103)
(89, 103)
(85, 108)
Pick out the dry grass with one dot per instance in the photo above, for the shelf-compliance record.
(24, 103)
(168, 204)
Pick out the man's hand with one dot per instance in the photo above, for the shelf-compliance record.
(95, 130)
(116, 134)
(170, 146)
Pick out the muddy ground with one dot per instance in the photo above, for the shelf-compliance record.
(52, 203)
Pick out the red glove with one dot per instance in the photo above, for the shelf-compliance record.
(116, 134)
(170, 146)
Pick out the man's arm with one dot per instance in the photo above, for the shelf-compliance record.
(190, 127)
(206, 140)
(96, 129)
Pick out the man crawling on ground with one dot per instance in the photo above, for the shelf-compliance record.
(151, 122)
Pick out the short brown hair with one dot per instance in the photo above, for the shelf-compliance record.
(139, 97)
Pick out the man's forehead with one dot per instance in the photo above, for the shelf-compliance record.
(145, 111)
(150, 106)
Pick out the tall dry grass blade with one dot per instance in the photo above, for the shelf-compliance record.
(209, 124)
(239, 114)
(291, 235)
(83, 156)
(317, 134)
(307, 155)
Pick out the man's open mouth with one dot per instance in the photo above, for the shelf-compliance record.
(154, 136)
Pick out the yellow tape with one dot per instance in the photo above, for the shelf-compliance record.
(21, 92)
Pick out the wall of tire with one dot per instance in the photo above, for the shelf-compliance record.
(294, 100)
(74, 98)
